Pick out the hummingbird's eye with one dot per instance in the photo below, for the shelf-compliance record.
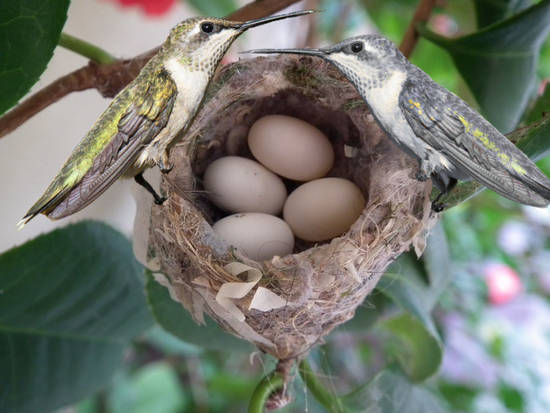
(356, 47)
(207, 27)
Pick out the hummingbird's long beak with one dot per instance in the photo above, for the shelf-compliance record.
(311, 52)
(258, 22)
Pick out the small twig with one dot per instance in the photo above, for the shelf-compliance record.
(83, 48)
(109, 79)
(421, 15)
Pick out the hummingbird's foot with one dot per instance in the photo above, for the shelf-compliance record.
(424, 171)
(143, 182)
(164, 163)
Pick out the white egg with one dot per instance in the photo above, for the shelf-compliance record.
(259, 236)
(323, 209)
(291, 147)
(238, 184)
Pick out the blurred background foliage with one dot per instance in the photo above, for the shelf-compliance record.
(464, 329)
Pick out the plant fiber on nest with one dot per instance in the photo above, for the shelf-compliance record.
(321, 284)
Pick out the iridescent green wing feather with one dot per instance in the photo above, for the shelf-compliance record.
(132, 120)
(472, 144)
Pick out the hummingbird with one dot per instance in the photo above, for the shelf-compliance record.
(450, 140)
(145, 119)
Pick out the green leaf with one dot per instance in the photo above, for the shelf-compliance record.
(391, 392)
(492, 11)
(415, 286)
(460, 397)
(70, 303)
(534, 140)
(29, 32)
(153, 388)
(404, 284)
(418, 351)
(540, 107)
(437, 264)
(169, 344)
(176, 320)
(499, 62)
(214, 8)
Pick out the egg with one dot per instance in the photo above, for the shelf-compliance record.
(323, 209)
(291, 147)
(259, 236)
(238, 184)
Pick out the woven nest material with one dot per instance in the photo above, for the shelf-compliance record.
(297, 299)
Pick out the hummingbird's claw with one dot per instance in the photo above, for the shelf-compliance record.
(165, 168)
(164, 164)
(159, 200)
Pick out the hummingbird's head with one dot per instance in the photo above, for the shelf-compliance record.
(367, 61)
(201, 42)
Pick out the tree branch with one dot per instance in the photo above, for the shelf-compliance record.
(421, 15)
(110, 78)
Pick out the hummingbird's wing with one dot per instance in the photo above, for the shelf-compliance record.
(470, 143)
(113, 144)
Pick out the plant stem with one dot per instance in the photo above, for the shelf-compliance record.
(85, 49)
(263, 390)
(331, 402)
(421, 15)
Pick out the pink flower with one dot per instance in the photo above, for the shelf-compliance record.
(149, 7)
(445, 25)
(503, 283)
(543, 84)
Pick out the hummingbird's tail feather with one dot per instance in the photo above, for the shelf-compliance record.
(538, 182)
(48, 201)
(529, 187)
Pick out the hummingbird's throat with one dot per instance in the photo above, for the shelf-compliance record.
(206, 57)
(364, 76)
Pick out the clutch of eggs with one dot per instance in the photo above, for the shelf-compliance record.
(316, 211)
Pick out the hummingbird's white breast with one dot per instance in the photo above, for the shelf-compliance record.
(384, 102)
(191, 85)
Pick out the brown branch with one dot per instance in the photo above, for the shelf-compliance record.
(109, 79)
(421, 15)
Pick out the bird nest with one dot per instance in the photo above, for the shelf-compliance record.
(288, 304)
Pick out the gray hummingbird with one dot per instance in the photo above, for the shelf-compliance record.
(450, 140)
(145, 119)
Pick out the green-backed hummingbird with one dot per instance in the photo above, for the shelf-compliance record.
(145, 119)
